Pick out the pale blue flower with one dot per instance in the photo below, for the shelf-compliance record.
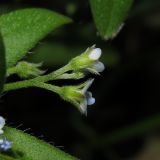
(5, 144)
(2, 123)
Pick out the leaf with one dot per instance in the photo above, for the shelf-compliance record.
(22, 29)
(30, 148)
(2, 63)
(109, 15)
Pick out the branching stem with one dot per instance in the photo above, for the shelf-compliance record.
(40, 80)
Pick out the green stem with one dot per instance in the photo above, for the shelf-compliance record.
(49, 87)
(18, 85)
(31, 83)
(34, 82)
(44, 78)
(71, 76)
(54, 75)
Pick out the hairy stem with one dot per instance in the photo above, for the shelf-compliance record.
(53, 75)
(31, 83)
(49, 87)
(71, 76)
(35, 82)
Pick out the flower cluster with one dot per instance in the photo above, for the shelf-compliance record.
(86, 62)
(77, 68)
(5, 144)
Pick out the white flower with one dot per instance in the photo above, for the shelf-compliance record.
(95, 54)
(2, 123)
(89, 60)
(79, 95)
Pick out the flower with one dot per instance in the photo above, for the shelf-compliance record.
(5, 144)
(79, 95)
(89, 60)
(2, 123)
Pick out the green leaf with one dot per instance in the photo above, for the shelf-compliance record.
(26, 147)
(22, 29)
(2, 63)
(109, 15)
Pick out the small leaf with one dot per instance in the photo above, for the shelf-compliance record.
(22, 29)
(2, 63)
(109, 15)
(30, 148)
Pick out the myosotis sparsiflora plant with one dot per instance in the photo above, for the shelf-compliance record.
(20, 31)
(78, 67)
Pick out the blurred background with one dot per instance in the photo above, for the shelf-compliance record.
(124, 123)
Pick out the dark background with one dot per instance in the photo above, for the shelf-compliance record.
(125, 121)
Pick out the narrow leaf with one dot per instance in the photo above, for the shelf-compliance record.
(109, 15)
(27, 147)
(22, 29)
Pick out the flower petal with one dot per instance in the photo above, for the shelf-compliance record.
(87, 85)
(83, 106)
(2, 122)
(95, 54)
(98, 66)
(91, 101)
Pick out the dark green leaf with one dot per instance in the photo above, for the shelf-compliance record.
(2, 63)
(22, 29)
(109, 15)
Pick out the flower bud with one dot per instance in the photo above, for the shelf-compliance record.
(28, 70)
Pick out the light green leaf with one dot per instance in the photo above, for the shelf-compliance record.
(2, 64)
(22, 29)
(26, 147)
(109, 15)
